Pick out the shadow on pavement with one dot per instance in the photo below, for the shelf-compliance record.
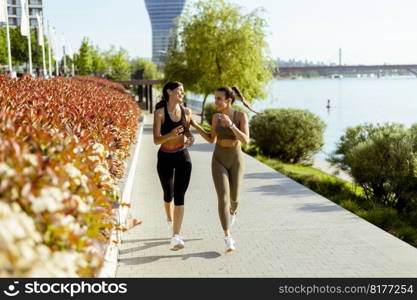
(281, 189)
(263, 175)
(144, 240)
(149, 259)
(150, 244)
(316, 207)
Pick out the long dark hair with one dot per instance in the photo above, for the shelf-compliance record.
(232, 93)
(172, 85)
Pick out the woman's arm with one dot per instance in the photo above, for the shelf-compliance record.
(157, 137)
(188, 116)
(211, 136)
(189, 119)
(200, 130)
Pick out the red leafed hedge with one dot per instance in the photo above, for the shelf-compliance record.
(63, 146)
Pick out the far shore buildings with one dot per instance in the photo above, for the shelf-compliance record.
(15, 12)
(162, 14)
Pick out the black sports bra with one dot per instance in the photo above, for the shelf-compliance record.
(168, 124)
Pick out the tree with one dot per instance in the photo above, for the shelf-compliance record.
(216, 45)
(19, 48)
(83, 59)
(3, 46)
(118, 63)
(144, 69)
(98, 64)
(68, 62)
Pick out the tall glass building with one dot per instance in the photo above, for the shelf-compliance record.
(162, 14)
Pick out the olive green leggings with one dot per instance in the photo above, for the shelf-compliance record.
(227, 166)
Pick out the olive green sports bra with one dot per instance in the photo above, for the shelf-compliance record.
(225, 133)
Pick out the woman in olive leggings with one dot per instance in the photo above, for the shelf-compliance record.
(229, 128)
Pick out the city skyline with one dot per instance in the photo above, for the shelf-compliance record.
(369, 32)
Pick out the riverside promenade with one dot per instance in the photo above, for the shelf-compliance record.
(283, 229)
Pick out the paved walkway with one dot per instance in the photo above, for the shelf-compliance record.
(283, 230)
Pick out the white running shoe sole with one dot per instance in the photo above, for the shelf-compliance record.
(177, 247)
(230, 247)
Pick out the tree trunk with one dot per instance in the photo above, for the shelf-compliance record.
(202, 108)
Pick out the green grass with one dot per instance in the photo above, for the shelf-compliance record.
(323, 183)
(346, 194)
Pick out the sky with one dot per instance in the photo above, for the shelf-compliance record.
(368, 31)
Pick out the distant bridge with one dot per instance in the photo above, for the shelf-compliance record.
(340, 68)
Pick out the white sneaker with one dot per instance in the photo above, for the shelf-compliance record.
(176, 243)
(169, 226)
(233, 219)
(230, 244)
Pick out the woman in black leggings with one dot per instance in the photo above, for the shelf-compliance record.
(171, 131)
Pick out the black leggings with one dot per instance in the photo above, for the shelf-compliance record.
(174, 184)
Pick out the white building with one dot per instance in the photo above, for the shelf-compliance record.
(15, 12)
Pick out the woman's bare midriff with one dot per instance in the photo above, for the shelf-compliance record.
(176, 142)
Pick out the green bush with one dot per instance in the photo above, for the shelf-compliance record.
(413, 134)
(210, 110)
(291, 135)
(205, 127)
(382, 159)
(412, 216)
(407, 233)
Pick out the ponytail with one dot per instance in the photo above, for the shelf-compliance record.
(238, 93)
(161, 103)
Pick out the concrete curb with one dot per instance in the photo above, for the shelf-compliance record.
(111, 255)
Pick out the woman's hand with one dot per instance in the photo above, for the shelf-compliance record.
(190, 141)
(177, 131)
(225, 120)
